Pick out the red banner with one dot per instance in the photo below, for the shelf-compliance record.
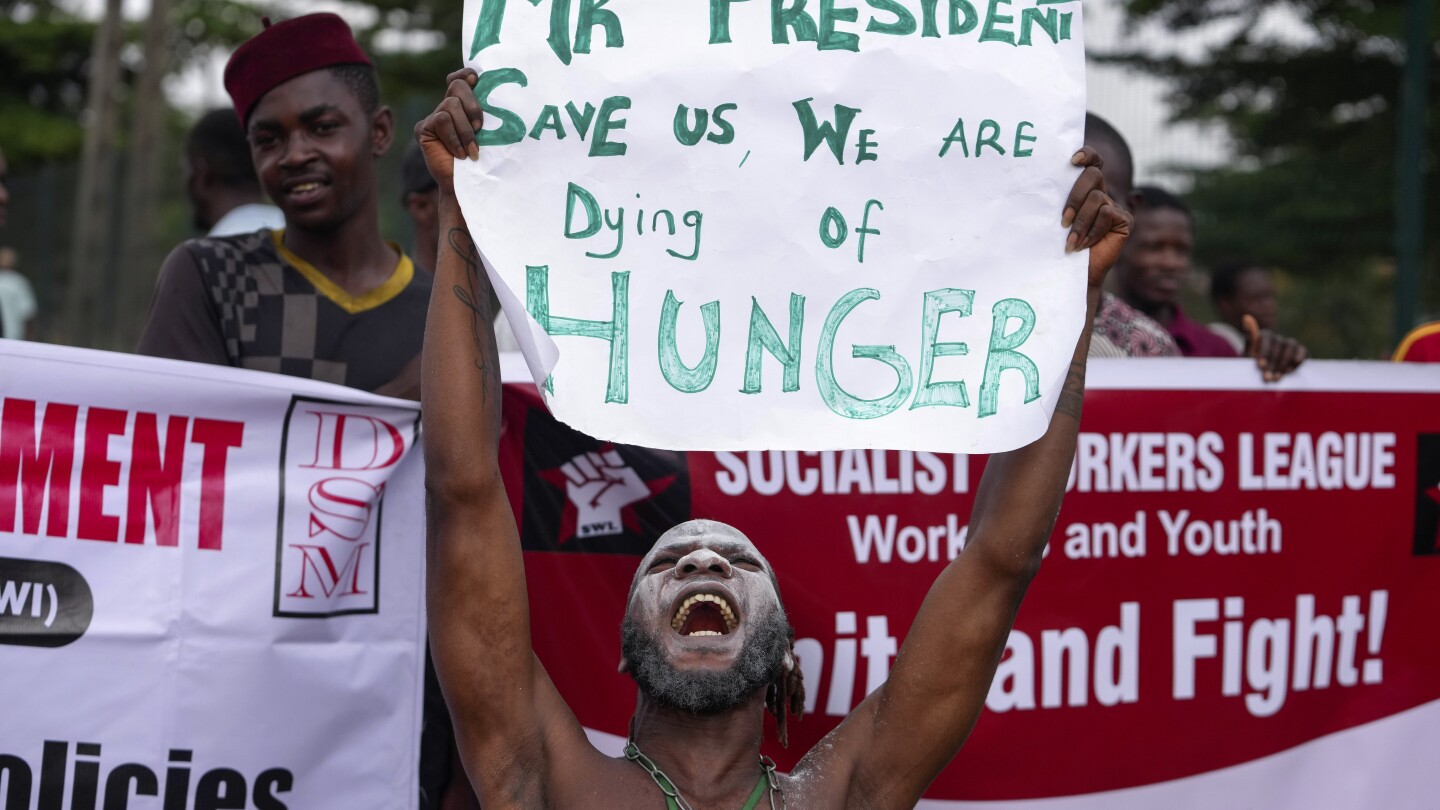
(1234, 573)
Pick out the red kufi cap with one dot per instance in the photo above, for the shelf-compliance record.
(285, 50)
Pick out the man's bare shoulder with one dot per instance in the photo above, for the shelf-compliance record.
(830, 774)
(814, 789)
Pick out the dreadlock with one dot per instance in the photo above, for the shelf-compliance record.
(786, 696)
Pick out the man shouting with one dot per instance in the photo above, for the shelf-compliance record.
(705, 633)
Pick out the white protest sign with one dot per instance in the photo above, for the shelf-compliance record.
(211, 587)
(794, 224)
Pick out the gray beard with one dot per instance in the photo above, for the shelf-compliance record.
(707, 692)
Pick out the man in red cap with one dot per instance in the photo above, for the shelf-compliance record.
(326, 297)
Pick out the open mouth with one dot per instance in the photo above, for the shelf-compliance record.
(305, 190)
(704, 614)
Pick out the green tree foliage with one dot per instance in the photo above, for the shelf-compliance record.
(43, 53)
(1314, 120)
(45, 49)
(205, 27)
(416, 43)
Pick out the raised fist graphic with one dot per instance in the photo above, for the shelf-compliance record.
(600, 485)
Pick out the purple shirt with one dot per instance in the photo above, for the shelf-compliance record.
(1196, 340)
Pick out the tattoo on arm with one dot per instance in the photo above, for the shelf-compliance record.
(475, 299)
(1072, 396)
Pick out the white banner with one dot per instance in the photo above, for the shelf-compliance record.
(1385, 763)
(1205, 633)
(783, 225)
(211, 587)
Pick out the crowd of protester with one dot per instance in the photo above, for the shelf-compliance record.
(308, 286)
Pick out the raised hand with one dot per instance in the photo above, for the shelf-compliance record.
(1096, 222)
(448, 134)
(1276, 355)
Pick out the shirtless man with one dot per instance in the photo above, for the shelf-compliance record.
(707, 668)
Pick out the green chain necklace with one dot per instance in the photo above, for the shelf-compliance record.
(673, 799)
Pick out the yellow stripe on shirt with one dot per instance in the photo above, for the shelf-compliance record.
(392, 286)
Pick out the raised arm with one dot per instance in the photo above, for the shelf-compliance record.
(503, 704)
(897, 741)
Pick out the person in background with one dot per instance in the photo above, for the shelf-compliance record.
(1422, 345)
(1239, 288)
(225, 195)
(1156, 262)
(1120, 330)
(326, 297)
(17, 299)
(421, 198)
